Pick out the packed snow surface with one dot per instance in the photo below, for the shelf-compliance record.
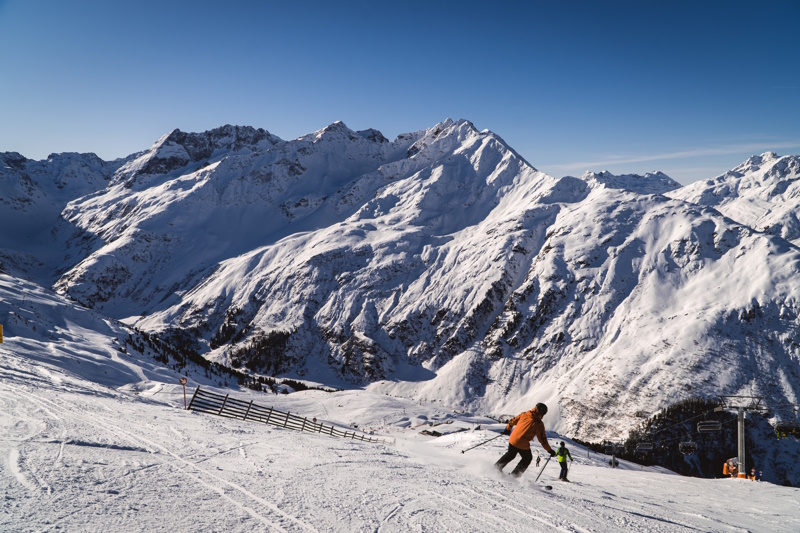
(442, 270)
(96, 440)
(82, 456)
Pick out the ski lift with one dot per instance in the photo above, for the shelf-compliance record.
(785, 429)
(644, 447)
(687, 447)
(709, 426)
(609, 448)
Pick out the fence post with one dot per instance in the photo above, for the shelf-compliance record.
(223, 405)
(193, 395)
(315, 426)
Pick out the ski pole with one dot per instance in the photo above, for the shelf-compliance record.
(542, 470)
(482, 443)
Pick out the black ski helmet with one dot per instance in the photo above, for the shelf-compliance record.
(562, 443)
(542, 408)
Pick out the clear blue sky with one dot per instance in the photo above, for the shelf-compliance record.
(690, 88)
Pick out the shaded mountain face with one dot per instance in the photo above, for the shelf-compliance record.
(440, 266)
(32, 196)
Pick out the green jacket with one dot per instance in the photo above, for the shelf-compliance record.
(563, 453)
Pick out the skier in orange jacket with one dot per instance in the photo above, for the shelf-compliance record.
(526, 426)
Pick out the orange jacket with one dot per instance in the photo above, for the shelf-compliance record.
(730, 469)
(526, 426)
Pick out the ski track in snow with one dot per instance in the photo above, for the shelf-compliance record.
(79, 456)
(217, 484)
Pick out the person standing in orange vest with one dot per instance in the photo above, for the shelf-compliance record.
(731, 467)
(525, 426)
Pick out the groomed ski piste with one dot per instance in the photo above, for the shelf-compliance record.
(82, 457)
(94, 439)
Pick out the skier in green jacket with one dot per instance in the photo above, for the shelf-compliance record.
(562, 454)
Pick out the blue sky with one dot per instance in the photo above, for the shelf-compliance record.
(689, 88)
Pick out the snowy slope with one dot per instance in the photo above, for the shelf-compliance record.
(114, 453)
(439, 266)
(364, 283)
(65, 343)
(563, 278)
(631, 303)
(32, 196)
(193, 200)
(763, 193)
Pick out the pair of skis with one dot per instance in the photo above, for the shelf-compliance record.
(548, 487)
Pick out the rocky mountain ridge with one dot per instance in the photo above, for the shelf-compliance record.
(440, 266)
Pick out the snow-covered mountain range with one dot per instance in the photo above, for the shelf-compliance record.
(439, 266)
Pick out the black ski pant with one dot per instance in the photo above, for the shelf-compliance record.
(563, 474)
(527, 457)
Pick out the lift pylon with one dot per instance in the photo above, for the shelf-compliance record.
(741, 404)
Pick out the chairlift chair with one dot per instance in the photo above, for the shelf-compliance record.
(687, 447)
(644, 447)
(709, 426)
(785, 429)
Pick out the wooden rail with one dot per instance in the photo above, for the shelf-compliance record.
(217, 404)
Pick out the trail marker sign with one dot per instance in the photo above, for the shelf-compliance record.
(183, 382)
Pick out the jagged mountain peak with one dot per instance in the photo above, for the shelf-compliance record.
(649, 183)
(13, 159)
(338, 131)
(450, 135)
(176, 150)
(763, 193)
(460, 128)
(756, 171)
(769, 171)
(80, 172)
(373, 135)
(56, 161)
(756, 161)
(441, 256)
(203, 144)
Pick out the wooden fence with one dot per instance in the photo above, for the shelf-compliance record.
(217, 404)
